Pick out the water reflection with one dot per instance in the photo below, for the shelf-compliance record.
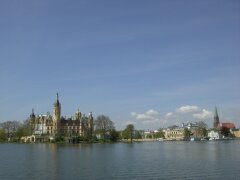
(181, 160)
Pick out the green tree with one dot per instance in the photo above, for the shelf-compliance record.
(3, 135)
(149, 136)
(186, 133)
(114, 135)
(24, 129)
(124, 134)
(159, 134)
(103, 126)
(10, 127)
(128, 131)
(225, 131)
(20, 133)
(201, 129)
(138, 135)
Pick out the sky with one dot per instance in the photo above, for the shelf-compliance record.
(150, 63)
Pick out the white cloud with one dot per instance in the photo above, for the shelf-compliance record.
(169, 114)
(129, 122)
(188, 109)
(133, 114)
(204, 114)
(153, 119)
(152, 112)
(144, 117)
(149, 115)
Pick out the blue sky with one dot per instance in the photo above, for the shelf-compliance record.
(150, 63)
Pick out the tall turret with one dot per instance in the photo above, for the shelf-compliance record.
(90, 122)
(78, 114)
(216, 118)
(32, 122)
(32, 116)
(56, 111)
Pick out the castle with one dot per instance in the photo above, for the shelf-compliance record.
(55, 125)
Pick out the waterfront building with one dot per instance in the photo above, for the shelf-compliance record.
(194, 129)
(174, 133)
(235, 132)
(213, 135)
(56, 125)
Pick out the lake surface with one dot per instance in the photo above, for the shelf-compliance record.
(146, 160)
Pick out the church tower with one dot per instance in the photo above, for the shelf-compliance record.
(56, 115)
(216, 118)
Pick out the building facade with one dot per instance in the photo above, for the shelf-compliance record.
(56, 125)
(176, 133)
(236, 132)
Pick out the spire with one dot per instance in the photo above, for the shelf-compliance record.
(216, 118)
(78, 114)
(57, 100)
(78, 111)
(90, 114)
(32, 115)
(215, 112)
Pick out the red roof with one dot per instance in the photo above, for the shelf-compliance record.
(226, 125)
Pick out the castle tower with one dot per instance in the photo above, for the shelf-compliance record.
(32, 122)
(32, 116)
(56, 115)
(90, 122)
(78, 114)
(56, 110)
(216, 118)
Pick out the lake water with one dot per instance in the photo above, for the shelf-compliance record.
(147, 160)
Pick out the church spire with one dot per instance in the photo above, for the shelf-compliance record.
(216, 118)
(215, 112)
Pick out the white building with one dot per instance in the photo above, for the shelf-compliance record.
(213, 135)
